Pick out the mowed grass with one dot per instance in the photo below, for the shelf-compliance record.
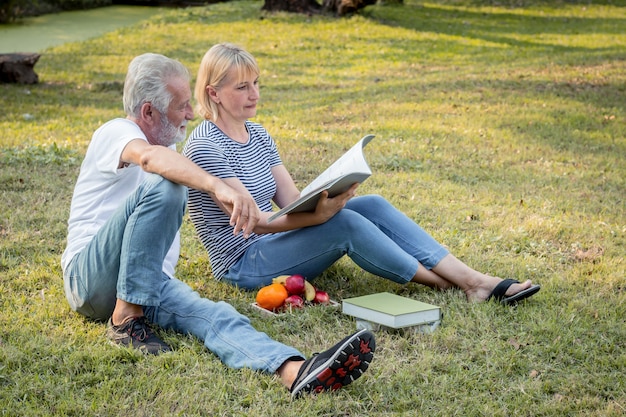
(500, 130)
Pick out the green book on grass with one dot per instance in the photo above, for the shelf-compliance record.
(391, 310)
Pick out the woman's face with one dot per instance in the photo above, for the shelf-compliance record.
(237, 98)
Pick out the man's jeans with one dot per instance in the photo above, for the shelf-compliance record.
(124, 260)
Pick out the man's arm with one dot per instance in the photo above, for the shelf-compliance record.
(244, 213)
(286, 193)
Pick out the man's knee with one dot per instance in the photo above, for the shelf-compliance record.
(175, 191)
(170, 195)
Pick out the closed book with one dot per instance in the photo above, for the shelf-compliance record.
(391, 310)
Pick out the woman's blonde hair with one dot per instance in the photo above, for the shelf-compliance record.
(214, 68)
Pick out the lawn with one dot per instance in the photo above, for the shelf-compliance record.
(500, 130)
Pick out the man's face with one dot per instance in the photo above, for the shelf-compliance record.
(171, 133)
(173, 124)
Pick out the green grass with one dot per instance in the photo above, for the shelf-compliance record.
(499, 129)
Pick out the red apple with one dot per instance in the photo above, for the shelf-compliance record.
(294, 284)
(294, 301)
(321, 297)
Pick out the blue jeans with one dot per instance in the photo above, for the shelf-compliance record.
(124, 260)
(372, 232)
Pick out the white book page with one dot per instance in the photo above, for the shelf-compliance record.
(353, 161)
(347, 170)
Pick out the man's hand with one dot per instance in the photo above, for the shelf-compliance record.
(239, 205)
(244, 213)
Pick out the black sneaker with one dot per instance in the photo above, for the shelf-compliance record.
(136, 333)
(336, 367)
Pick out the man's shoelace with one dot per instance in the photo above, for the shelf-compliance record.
(140, 330)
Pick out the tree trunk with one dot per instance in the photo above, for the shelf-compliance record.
(18, 68)
(344, 7)
(293, 6)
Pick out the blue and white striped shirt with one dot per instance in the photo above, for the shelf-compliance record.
(251, 163)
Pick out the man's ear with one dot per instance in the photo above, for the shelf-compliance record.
(147, 112)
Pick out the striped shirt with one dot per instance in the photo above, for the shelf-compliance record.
(222, 157)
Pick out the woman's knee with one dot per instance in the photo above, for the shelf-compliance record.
(369, 202)
(344, 223)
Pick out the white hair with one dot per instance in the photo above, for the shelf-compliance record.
(146, 82)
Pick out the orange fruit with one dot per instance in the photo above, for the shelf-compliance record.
(272, 296)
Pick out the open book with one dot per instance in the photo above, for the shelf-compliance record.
(350, 168)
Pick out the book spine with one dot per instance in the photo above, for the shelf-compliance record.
(369, 315)
(404, 320)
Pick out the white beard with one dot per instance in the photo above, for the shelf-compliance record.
(169, 133)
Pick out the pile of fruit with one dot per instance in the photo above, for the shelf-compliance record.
(290, 291)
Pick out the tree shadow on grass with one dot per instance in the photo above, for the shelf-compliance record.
(454, 21)
(503, 29)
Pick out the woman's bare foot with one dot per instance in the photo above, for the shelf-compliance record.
(483, 290)
(477, 286)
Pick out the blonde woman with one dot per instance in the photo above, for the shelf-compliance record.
(368, 229)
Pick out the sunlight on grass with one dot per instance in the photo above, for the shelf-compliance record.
(499, 129)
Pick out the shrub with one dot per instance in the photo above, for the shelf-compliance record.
(12, 10)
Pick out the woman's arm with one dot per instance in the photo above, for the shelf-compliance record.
(286, 193)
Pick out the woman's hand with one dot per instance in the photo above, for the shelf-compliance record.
(327, 207)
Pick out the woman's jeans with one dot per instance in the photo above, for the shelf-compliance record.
(373, 233)
(125, 260)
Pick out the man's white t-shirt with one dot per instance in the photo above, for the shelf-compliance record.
(102, 186)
